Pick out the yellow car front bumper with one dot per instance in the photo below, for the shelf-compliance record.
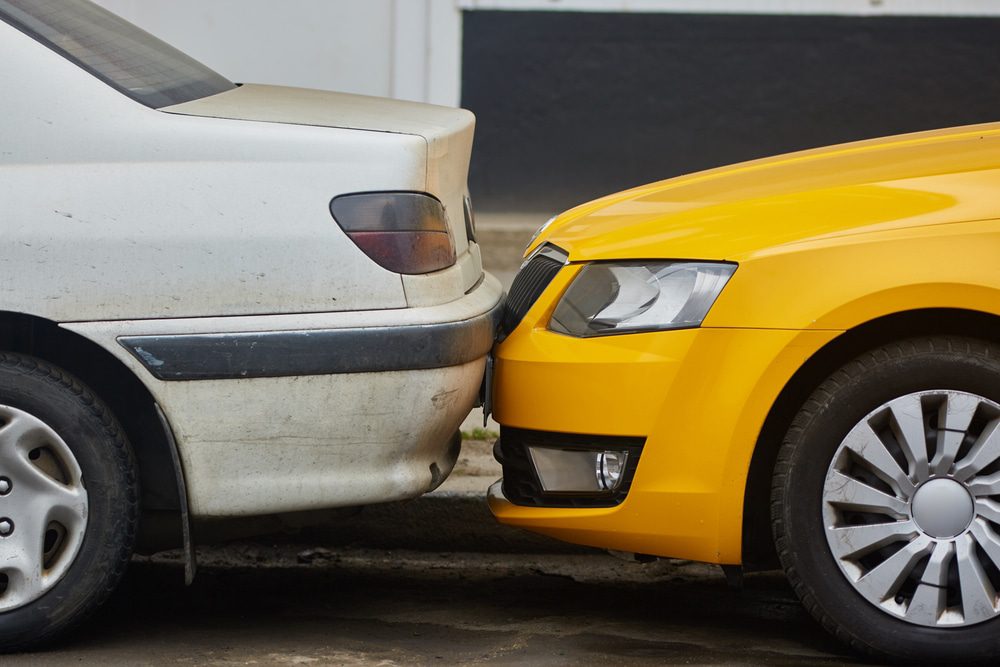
(698, 396)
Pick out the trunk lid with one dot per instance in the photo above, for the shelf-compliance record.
(448, 133)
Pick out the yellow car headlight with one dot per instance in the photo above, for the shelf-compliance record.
(626, 297)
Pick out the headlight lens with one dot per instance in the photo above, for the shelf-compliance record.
(626, 297)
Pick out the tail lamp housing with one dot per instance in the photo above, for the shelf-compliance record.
(403, 232)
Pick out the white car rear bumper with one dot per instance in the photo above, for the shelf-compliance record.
(288, 413)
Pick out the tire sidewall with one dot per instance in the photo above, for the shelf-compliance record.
(107, 468)
(834, 414)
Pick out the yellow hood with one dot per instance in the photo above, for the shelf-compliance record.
(926, 178)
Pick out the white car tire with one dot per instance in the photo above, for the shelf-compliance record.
(69, 502)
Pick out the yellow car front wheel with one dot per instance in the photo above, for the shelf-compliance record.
(886, 500)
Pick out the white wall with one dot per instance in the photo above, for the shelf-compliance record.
(409, 49)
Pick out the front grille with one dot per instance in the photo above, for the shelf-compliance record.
(521, 485)
(529, 283)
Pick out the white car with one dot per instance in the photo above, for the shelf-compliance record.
(216, 301)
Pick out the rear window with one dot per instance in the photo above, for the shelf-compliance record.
(128, 58)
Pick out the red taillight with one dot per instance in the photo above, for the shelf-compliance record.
(404, 232)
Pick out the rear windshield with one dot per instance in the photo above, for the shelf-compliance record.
(112, 49)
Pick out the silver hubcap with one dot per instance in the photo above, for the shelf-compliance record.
(942, 508)
(43, 508)
(911, 507)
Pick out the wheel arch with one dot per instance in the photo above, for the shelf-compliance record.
(758, 551)
(130, 402)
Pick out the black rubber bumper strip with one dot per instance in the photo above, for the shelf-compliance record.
(226, 356)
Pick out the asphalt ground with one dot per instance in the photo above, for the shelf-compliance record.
(255, 604)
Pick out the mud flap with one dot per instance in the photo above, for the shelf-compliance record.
(190, 562)
(486, 390)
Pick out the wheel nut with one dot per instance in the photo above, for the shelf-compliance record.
(5, 486)
(6, 527)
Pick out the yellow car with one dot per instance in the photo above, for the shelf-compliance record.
(794, 360)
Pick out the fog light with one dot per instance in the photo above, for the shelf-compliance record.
(610, 467)
(576, 471)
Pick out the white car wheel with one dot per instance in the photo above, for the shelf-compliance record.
(69, 502)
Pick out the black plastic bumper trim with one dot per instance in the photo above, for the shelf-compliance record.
(225, 356)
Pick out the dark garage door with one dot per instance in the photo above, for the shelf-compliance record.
(575, 105)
